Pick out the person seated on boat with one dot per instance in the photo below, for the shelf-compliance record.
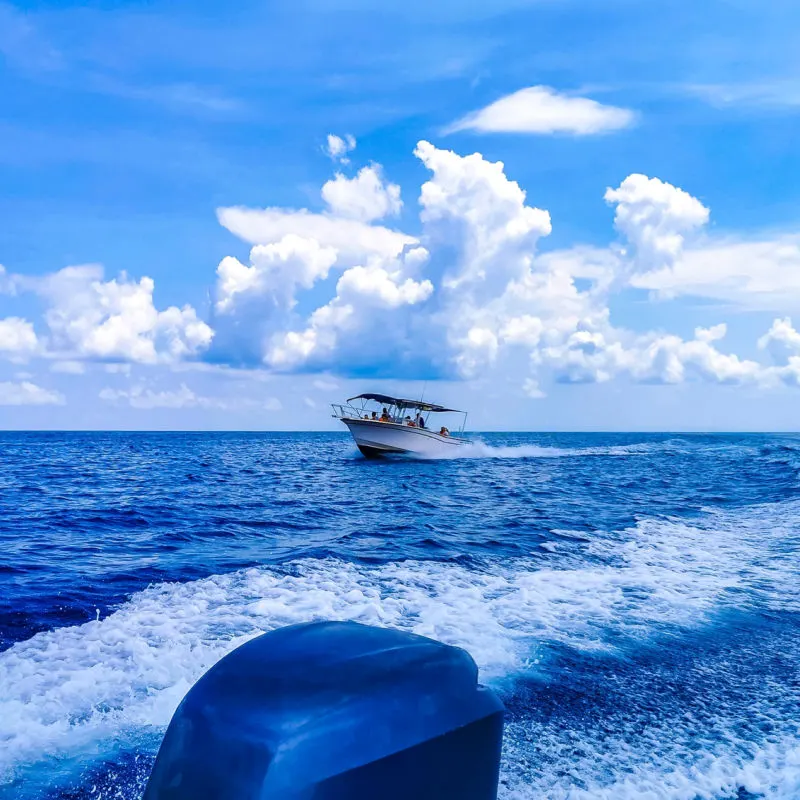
(420, 421)
(385, 416)
(444, 431)
(410, 422)
(366, 416)
(374, 416)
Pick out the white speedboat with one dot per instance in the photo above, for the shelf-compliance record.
(395, 425)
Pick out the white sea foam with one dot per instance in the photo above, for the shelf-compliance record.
(89, 687)
(477, 448)
(771, 772)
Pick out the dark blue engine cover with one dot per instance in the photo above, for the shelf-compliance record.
(334, 711)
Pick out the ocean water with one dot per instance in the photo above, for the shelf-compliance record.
(635, 599)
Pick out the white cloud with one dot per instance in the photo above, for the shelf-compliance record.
(671, 255)
(277, 271)
(470, 208)
(542, 110)
(655, 217)
(470, 203)
(356, 322)
(492, 303)
(764, 94)
(525, 330)
(325, 385)
(376, 286)
(68, 367)
(337, 148)
(144, 398)
(469, 296)
(364, 197)
(8, 282)
(108, 320)
(530, 386)
(296, 249)
(118, 369)
(669, 359)
(17, 338)
(351, 238)
(28, 394)
(597, 357)
(781, 340)
(761, 274)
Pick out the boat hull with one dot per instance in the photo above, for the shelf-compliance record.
(376, 439)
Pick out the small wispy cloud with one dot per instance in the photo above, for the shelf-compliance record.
(542, 110)
(177, 97)
(68, 367)
(25, 47)
(337, 147)
(22, 45)
(325, 385)
(142, 397)
(765, 94)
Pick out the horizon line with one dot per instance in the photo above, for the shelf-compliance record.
(690, 432)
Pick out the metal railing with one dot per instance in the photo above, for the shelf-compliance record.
(349, 411)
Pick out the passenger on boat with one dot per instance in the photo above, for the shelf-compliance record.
(366, 416)
(444, 431)
(420, 421)
(374, 416)
(410, 422)
(385, 416)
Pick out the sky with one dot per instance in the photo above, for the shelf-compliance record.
(555, 214)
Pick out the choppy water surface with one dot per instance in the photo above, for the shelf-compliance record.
(634, 598)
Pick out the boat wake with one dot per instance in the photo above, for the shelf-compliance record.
(479, 449)
(76, 695)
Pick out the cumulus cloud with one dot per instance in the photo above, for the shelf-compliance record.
(542, 110)
(337, 147)
(467, 296)
(8, 282)
(276, 271)
(28, 394)
(17, 338)
(469, 203)
(294, 250)
(669, 252)
(366, 320)
(600, 356)
(781, 340)
(365, 197)
(471, 293)
(655, 217)
(116, 320)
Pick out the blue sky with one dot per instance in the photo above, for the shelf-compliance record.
(128, 129)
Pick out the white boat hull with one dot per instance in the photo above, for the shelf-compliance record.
(382, 438)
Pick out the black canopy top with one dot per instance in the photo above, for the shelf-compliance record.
(401, 403)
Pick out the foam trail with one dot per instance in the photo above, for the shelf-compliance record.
(73, 690)
(476, 448)
(771, 772)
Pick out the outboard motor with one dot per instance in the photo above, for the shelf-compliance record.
(334, 711)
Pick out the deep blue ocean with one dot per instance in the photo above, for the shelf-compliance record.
(635, 599)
